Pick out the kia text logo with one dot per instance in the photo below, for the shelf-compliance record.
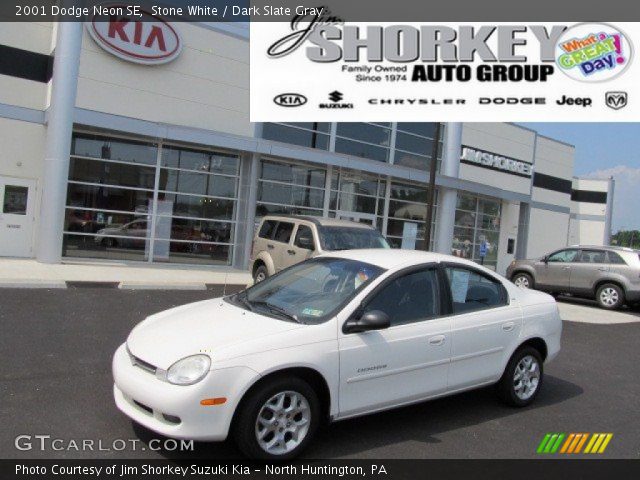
(147, 39)
(290, 100)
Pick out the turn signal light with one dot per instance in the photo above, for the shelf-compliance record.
(213, 401)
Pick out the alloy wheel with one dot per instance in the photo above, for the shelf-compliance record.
(522, 282)
(526, 377)
(283, 422)
(609, 297)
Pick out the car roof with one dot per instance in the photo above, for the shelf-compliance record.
(606, 247)
(391, 259)
(319, 221)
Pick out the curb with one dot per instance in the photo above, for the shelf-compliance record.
(161, 286)
(33, 284)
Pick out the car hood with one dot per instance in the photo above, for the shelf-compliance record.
(202, 327)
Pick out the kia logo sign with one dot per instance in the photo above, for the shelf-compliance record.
(146, 39)
(290, 100)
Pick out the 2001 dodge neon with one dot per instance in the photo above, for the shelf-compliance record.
(341, 335)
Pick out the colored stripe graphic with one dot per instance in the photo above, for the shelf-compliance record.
(573, 443)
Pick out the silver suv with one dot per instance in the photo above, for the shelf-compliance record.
(611, 275)
(283, 241)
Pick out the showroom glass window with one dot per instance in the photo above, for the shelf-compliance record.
(477, 221)
(357, 197)
(114, 210)
(310, 134)
(408, 209)
(290, 189)
(365, 140)
(414, 145)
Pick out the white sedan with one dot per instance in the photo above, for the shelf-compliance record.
(341, 335)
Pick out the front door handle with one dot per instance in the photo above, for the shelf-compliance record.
(602, 269)
(507, 327)
(291, 252)
(270, 247)
(437, 340)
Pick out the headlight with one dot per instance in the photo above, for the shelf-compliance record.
(189, 370)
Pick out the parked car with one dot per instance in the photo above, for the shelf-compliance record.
(338, 336)
(610, 275)
(283, 241)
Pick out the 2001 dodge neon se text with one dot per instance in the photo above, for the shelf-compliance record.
(343, 334)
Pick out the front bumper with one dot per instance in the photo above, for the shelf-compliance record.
(175, 410)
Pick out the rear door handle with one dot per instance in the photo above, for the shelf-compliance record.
(270, 247)
(507, 327)
(437, 340)
(291, 252)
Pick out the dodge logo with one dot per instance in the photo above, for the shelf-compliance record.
(616, 100)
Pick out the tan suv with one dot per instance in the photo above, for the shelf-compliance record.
(282, 241)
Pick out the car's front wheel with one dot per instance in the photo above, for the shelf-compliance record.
(522, 379)
(277, 420)
(260, 274)
(523, 280)
(610, 296)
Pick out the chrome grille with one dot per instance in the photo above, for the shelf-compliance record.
(138, 362)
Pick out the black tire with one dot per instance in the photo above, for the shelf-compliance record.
(506, 387)
(109, 242)
(610, 296)
(244, 425)
(525, 279)
(260, 274)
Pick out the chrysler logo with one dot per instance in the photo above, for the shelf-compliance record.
(290, 100)
(616, 100)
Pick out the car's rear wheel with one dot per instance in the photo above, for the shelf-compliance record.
(260, 274)
(523, 280)
(277, 420)
(522, 379)
(610, 296)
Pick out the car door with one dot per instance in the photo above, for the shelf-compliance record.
(588, 267)
(484, 324)
(302, 247)
(280, 246)
(407, 361)
(554, 273)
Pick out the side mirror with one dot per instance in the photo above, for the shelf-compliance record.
(306, 243)
(545, 259)
(372, 320)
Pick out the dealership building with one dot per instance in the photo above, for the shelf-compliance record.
(139, 149)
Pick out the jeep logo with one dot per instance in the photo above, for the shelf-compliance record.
(290, 100)
(148, 40)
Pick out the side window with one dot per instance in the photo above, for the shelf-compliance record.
(304, 238)
(267, 229)
(411, 298)
(613, 257)
(563, 256)
(592, 256)
(472, 291)
(283, 232)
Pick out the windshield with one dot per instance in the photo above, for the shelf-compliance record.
(310, 292)
(349, 238)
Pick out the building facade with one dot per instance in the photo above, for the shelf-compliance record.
(104, 159)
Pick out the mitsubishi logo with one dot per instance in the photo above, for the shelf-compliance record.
(336, 96)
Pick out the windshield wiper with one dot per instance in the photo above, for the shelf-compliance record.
(244, 300)
(277, 309)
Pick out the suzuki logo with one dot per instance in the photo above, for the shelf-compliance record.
(616, 100)
(336, 96)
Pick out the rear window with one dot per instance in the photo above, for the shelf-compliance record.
(267, 229)
(283, 232)
(348, 238)
(615, 258)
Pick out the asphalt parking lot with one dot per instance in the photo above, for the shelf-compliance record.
(55, 379)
